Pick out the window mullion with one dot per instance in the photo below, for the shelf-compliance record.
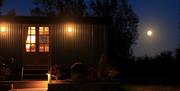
(30, 35)
(37, 39)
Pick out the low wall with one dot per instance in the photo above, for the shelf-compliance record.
(152, 88)
(107, 86)
(85, 86)
(6, 86)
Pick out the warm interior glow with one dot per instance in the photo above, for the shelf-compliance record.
(27, 47)
(43, 39)
(31, 40)
(43, 30)
(3, 29)
(149, 33)
(70, 29)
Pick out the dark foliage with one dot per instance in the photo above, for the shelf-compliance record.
(178, 55)
(69, 8)
(11, 13)
(1, 3)
(123, 32)
(104, 8)
(164, 58)
(10, 69)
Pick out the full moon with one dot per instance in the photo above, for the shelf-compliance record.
(149, 33)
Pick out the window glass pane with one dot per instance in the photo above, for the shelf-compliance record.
(29, 31)
(46, 31)
(27, 47)
(33, 39)
(46, 28)
(41, 30)
(28, 40)
(41, 48)
(33, 28)
(33, 48)
(43, 39)
(46, 48)
(33, 32)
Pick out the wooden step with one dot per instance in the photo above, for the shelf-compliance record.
(35, 76)
(35, 72)
(35, 67)
(29, 84)
(30, 89)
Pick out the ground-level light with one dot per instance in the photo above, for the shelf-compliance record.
(49, 77)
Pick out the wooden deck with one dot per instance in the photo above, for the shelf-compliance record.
(28, 85)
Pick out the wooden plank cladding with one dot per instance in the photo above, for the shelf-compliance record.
(69, 39)
(11, 40)
(84, 42)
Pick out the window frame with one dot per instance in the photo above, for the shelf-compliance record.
(29, 35)
(44, 34)
(37, 39)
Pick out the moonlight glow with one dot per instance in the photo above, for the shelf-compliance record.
(149, 33)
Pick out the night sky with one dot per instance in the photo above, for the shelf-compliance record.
(161, 16)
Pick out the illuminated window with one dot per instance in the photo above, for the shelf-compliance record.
(37, 40)
(43, 39)
(31, 40)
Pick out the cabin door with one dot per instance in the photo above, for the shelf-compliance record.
(36, 46)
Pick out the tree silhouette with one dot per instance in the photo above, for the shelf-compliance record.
(43, 8)
(72, 8)
(123, 32)
(178, 49)
(11, 13)
(165, 57)
(178, 55)
(1, 3)
(104, 8)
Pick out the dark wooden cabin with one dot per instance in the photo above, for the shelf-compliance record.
(52, 40)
